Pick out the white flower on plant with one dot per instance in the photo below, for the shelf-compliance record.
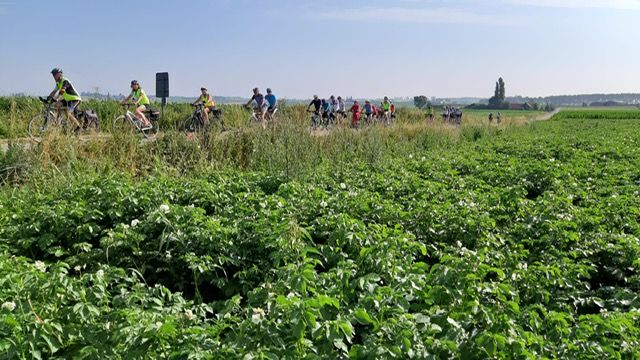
(100, 274)
(258, 316)
(164, 208)
(167, 254)
(77, 268)
(343, 186)
(410, 156)
(40, 266)
(9, 305)
(135, 222)
(107, 326)
(423, 158)
(125, 226)
(189, 315)
(280, 206)
(323, 204)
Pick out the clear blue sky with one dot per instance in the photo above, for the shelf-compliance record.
(301, 47)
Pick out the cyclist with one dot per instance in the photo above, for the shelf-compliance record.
(355, 114)
(140, 99)
(316, 103)
(385, 108)
(272, 101)
(70, 97)
(368, 110)
(327, 111)
(207, 101)
(261, 105)
(341, 109)
(393, 110)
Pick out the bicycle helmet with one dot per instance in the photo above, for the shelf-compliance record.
(269, 90)
(56, 71)
(134, 82)
(203, 89)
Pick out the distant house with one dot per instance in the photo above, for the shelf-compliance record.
(515, 106)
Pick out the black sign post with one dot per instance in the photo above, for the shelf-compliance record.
(162, 89)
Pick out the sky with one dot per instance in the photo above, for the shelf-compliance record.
(373, 48)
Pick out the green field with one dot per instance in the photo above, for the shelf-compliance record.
(424, 241)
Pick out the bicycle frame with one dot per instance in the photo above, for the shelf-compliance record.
(53, 111)
(132, 118)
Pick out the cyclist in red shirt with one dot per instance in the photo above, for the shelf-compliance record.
(356, 111)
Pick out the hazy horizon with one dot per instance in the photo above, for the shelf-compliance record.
(403, 48)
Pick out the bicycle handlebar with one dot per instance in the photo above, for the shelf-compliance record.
(47, 100)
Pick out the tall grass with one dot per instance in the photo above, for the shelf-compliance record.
(287, 148)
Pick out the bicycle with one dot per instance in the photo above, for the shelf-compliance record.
(128, 122)
(271, 114)
(196, 121)
(53, 117)
(316, 119)
(255, 115)
(369, 119)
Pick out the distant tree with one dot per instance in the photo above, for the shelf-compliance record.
(501, 90)
(421, 101)
(499, 96)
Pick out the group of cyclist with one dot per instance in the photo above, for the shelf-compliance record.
(333, 110)
(65, 95)
(330, 111)
(265, 106)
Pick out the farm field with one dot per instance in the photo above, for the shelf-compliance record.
(518, 241)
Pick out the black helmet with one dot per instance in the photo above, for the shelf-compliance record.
(56, 71)
(203, 89)
(134, 82)
(269, 90)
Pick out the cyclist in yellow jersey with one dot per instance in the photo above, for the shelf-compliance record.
(385, 106)
(209, 105)
(140, 99)
(67, 96)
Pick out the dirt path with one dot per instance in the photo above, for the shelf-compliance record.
(547, 116)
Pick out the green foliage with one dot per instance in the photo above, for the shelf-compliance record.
(421, 102)
(628, 114)
(506, 244)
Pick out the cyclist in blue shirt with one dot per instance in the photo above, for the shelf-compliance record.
(327, 110)
(272, 101)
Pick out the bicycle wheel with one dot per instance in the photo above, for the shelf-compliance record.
(191, 124)
(121, 125)
(39, 125)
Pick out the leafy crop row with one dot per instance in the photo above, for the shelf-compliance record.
(520, 246)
